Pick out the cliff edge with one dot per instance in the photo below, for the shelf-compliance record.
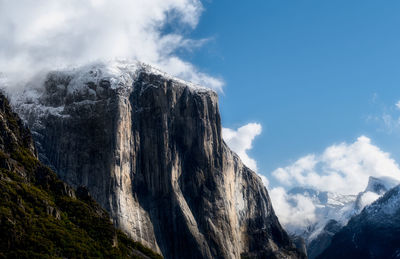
(148, 147)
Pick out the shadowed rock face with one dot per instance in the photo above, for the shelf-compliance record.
(374, 233)
(323, 240)
(150, 152)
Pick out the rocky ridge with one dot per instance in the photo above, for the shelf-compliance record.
(374, 233)
(148, 147)
(334, 211)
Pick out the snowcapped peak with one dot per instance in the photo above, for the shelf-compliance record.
(388, 204)
(58, 91)
(380, 185)
(339, 207)
(376, 188)
(323, 198)
(92, 81)
(119, 73)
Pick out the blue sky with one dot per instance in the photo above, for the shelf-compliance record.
(313, 73)
(321, 77)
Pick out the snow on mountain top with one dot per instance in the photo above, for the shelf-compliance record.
(381, 184)
(387, 205)
(324, 198)
(119, 73)
(339, 207)
(328, 206)
(376, 188)
(50, 93)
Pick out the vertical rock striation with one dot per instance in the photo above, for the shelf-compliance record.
(33, 199)
(149, 149)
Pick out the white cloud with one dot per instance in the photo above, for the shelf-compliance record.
(264, 180)
(240, 141)
(398, 105)
(391, 123)
(293, 210)
(343, 168)
(388, 120)
(340, 171)
(43, 34)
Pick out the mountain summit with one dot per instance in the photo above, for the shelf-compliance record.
(148, 147)
(374, 233)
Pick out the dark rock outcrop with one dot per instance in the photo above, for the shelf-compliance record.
(323, 240)
(335, 210)
(148, 148)
(300, 244)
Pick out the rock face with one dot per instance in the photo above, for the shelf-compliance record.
(300, 244)
(148, 147)
(324, 238)
(374, 233)
(43, 217)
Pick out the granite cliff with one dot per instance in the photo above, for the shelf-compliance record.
(148, 147)
(43, 217)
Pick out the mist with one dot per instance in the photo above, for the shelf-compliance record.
(37, 36)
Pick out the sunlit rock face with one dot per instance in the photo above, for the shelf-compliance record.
(148, 147)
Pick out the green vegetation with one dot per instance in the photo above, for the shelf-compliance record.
(25, 158)
(40, 217)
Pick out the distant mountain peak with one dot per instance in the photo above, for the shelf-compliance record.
(374, 233)
(333, 211)
(380, 185)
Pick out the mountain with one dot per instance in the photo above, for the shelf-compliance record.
(328, 206)
(333, 211)
(374, 233)
(43, 217)
(376, 187)
(148, 147)
(318, 244)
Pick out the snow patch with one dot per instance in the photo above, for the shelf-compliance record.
(367, 198)
(306, 211)
(387, 205)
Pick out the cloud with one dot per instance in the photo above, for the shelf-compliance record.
(388, 120)
(43, 34)
(293, 210)
(264, 180)
(343, 168)
(391, 123)
(340, 170)
(240, 141)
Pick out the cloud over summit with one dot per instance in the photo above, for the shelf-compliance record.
(43, 34)
(341, 169)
